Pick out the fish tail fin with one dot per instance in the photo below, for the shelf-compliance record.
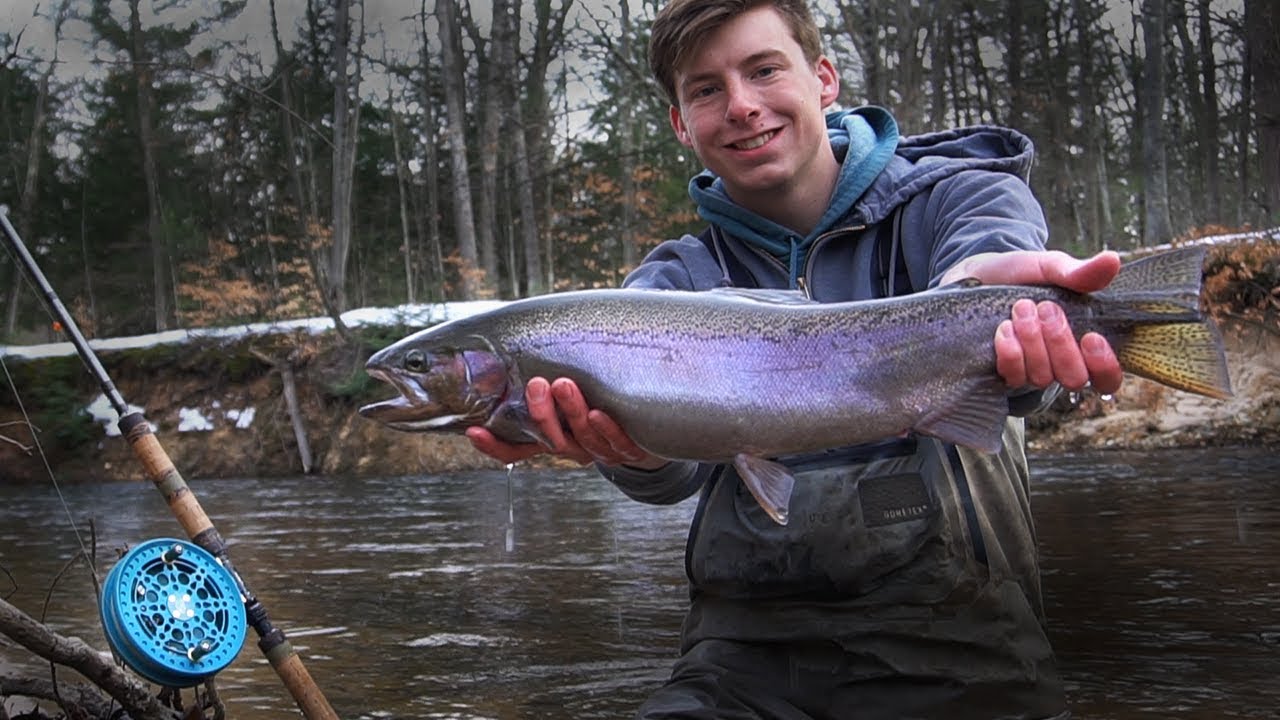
(1164, 336)
(1186, 356)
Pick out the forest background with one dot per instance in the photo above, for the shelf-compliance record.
(184, 164)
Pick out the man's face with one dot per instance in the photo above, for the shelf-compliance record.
(751, 107)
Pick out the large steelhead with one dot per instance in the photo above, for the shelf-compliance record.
(742, 376)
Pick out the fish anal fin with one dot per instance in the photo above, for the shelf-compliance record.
(973, 418)
(770, 483)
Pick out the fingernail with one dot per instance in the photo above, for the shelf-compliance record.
(1093, 345)
(1005, 330)
(536, 392)
(1049, 313)
(1024, 310)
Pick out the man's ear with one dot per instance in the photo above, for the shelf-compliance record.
(677, 124)
(826, 72)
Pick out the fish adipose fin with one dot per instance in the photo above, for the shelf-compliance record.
(974, 418)
(770, 483)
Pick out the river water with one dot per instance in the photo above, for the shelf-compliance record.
(550, 595)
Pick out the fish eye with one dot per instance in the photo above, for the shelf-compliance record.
(415, 361)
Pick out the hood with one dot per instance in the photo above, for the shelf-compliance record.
(923, 160)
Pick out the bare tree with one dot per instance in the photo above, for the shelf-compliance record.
(452, 66)
(1157, 226)
(402, 193)
(35, 143)
(346, 119)
(507, 38)
(1262, 26)
(142, 75)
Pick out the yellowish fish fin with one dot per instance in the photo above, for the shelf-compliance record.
(1186, 356)
(974, 418)
(770, 483)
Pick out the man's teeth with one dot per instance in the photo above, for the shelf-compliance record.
(754, 142)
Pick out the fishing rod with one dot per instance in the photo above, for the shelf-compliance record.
(181, 500)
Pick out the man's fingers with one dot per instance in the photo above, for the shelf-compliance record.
(484, 441)
(1026, 325)
(1085, 276)
(1105, 373)
(542, 410)
(1010, 363)
(1067, 365)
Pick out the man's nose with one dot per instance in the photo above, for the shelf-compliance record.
(742, 102)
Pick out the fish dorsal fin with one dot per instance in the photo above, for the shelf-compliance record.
(770, 296)
(770, 483)
(963, 283)
(973, 417)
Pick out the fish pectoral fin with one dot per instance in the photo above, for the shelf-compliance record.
(974, 418)
(512, 423)
(770, 483)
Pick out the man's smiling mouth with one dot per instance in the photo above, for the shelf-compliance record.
(755, 142)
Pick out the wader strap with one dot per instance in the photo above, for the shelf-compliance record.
(966, 502)
(889, 254)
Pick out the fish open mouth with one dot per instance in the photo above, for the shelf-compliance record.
(410, 398)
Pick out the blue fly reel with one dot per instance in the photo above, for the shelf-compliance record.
(173, 613)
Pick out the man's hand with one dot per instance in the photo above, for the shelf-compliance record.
(592, 435)
(1036, 347)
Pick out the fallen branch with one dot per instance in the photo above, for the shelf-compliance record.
(25, 448)
(287, 378)
(76, 700)
(131, 694)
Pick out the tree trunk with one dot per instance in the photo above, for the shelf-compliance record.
(30, 190)
(142, 74)
(527, 227)
(495, 68)
(406, 242)
(1157, 226)
(626, 145)
(1209, 85)
(431, 176)
(344, 147)
(1262, 23)
(451, 67)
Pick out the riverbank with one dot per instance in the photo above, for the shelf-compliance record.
(216, 398)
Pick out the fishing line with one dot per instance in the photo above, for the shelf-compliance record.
(35, 439)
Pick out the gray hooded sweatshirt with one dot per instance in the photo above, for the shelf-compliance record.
(916, 557)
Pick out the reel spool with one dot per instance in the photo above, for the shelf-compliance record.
(173, 613)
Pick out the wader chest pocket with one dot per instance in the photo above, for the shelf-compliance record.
(852, 521)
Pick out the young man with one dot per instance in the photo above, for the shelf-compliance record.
(906, 584)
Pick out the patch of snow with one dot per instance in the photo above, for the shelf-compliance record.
(192, 420)
(102, 412)
(416, 315)
(242, 418)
